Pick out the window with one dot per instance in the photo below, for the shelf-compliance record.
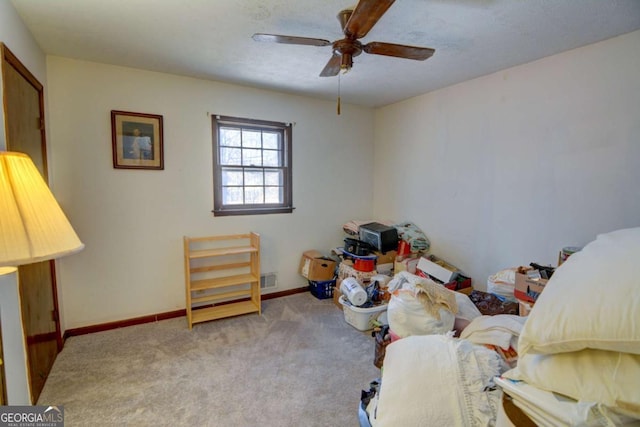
(252, 162)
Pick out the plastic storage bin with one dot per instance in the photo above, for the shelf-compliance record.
(361, 318)
(322, 290)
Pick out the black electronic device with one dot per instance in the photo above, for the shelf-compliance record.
(357, 247)
(382, 237)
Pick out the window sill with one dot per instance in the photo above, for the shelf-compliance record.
(252, 211)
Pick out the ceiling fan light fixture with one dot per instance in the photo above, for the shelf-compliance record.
(347, 62)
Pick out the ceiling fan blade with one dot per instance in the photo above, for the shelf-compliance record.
(365, 16)
(333, 67)
(277, 38)
(399, 50)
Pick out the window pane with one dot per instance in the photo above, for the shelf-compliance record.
(271, 140)
(253, 178)
(251, 157)
(230, 156)
(271, 158)
(232, 195)
(254, 195)
(273, 195)
(273, 177)
(231, 177)
(229, 136)
(251, 139)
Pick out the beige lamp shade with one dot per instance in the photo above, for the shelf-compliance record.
(32, 225)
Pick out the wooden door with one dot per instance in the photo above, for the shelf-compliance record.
(24, 129)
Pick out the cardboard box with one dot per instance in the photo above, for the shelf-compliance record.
(315, 266)
(386, 258)
(386, 269)
(524, 307)
(466, 291)
(460, 284)
(527, 289)
(437, 268)
(408, 264)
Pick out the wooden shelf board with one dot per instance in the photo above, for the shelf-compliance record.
(244, 293)
(219, 238)
(221, 282)
(237, 250)
(224, 310)
(218, 267)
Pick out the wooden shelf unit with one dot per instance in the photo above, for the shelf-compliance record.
(222, 276)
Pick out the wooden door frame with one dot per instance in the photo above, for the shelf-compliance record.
(11, 60)
(3, 381)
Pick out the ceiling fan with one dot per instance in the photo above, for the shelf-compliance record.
(356, 23)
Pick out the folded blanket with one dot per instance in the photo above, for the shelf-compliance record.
(414, 236)
(436, 380)
(501, 330)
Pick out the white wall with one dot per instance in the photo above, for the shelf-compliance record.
(509, 168)
(132, 221)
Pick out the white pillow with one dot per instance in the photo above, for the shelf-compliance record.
(591, 301)
(606, 377)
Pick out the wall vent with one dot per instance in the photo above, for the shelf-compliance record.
(268, 280)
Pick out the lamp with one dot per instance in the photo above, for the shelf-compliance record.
(32, 225)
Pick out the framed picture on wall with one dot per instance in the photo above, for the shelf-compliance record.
(136, 140)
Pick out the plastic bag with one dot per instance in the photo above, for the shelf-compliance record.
(408, 316)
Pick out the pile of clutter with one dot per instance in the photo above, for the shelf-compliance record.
(518, 288)
(515, 290)
(357, 274)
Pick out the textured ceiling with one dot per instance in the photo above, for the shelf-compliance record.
(211, 39)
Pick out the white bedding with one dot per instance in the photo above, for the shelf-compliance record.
(437, 380)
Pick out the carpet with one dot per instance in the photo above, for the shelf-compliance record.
(298, 364)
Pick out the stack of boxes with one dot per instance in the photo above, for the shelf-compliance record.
(319, 270)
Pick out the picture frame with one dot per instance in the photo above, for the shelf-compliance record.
(137, 140)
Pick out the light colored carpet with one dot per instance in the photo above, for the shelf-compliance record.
(298, 364)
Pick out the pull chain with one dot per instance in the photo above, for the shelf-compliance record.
(338, 108)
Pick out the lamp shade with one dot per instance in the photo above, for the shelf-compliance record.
(32, 225)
